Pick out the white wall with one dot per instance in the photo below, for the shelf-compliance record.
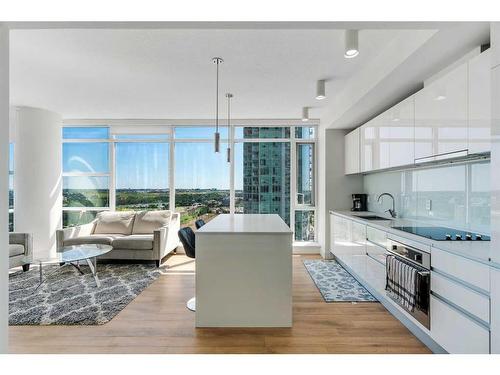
(4, 184)
(335, 188)
(38, 176)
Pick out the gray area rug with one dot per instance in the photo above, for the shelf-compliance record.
(69, 298)
(335, 283)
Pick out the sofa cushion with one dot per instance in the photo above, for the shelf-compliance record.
(134, 242)
(15, 249)
(116, 222)
(147, 221)
(101, 239)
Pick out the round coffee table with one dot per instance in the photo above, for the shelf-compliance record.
(72, 255)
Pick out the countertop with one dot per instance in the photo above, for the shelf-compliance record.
(474, 250)
(246, 223)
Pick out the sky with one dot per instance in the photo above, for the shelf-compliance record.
(145, 165)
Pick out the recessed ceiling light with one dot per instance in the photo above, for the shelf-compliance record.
(440, 97)
(351, 44)
(305, 114)
(320, 89)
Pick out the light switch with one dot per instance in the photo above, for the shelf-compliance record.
(428, 204)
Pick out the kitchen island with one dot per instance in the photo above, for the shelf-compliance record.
(244, 272)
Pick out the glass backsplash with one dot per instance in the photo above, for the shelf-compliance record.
(449, 195)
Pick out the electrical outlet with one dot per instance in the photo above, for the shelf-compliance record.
(428, 204)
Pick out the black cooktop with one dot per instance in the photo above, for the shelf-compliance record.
(444, 234)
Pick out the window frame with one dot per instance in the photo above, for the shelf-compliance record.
(108, 174)
(167, 128)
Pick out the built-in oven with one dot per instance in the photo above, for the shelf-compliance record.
(408, 279)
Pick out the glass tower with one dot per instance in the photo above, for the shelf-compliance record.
(266, 172)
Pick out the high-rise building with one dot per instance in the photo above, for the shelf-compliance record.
(266, 172)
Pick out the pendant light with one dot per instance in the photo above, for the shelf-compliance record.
(229, 96)
(217, 61)
(320, 90)
(351, 44)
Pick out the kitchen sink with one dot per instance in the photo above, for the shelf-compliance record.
(373, 217)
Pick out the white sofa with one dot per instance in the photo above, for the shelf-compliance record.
(20, 250)
(141, 235)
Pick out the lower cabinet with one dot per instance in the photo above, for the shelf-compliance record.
(460, 303)
(340, 235)
(376, 244)
(456, 332)
(347, 237)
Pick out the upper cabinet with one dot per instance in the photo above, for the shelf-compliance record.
(441, 117)
(387, 140)
(449, 118)
(480, 103)
(397, 133)
(369, 146)
(352, 152)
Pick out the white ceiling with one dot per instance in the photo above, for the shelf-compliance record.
(148, 73)
(168, 73)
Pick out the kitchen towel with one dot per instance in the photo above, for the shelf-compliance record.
(401, 281)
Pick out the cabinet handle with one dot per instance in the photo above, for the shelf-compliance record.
(443, 154)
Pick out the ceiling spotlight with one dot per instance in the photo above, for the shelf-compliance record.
(320, 89)
(440, 97)
(305, 114)
(351, 44)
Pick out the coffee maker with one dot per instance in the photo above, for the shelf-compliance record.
(359, 202)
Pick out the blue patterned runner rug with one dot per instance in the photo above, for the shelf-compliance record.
(335, 283)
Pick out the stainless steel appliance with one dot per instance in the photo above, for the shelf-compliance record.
(421, 261)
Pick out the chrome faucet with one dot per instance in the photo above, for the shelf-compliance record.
(393, 210)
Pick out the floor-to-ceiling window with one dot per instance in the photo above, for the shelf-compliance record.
(176, 167)
(86, 173)
(142, 172)
(202, 188)
(11, 187)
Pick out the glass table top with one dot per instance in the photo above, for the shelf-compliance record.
(77, 252)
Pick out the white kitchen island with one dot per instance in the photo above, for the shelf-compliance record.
(244, 272)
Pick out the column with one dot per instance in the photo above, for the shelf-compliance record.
(38, 177)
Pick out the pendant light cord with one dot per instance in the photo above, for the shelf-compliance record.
(217, 100)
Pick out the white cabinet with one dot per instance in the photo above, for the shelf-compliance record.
(352, 152)
(387, 141)
(370, 145)
(397, 132)
(456, 332)
(480, 103)
(441, 117)
(348, 237)
(469, 271)
(460, 305)
(341, 235)
(376, 244)
(358, 238)
(495, 310)
(473, 302)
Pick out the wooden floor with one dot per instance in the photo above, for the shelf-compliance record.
(157, 321)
